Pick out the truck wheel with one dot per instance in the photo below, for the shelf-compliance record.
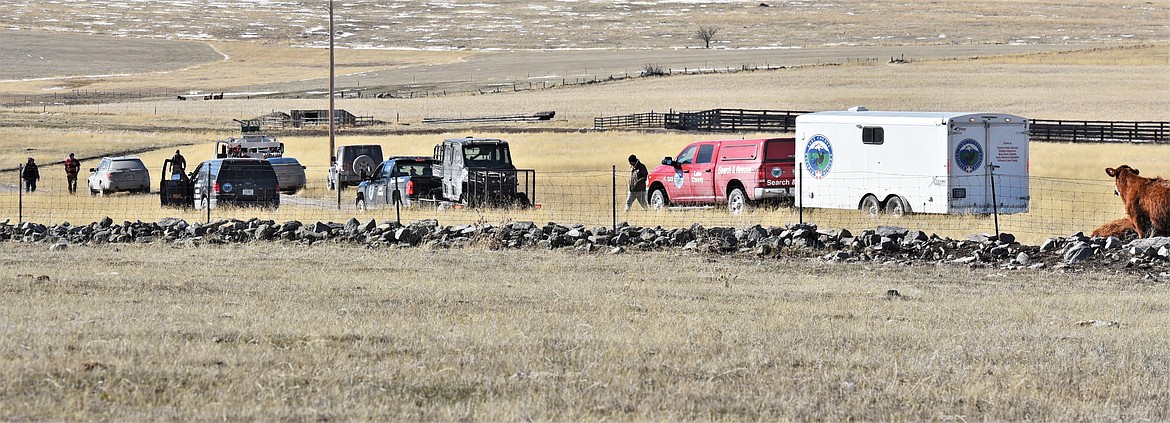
(870, 205)
(737, 201)
(361, 205)
(522, 200)
(658, 199)
(895, 206)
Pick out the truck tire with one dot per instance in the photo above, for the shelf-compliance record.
(870, 205)
(658, 199)
(737, 201)
(895, 206)
(522, 200)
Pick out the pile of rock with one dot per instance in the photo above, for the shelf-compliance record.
(885, 243)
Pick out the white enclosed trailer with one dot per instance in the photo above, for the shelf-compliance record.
(919, 162)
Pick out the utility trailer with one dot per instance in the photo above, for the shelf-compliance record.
(913, 162)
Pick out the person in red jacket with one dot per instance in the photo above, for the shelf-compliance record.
(72, 168)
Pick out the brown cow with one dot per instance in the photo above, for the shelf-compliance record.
(1147, 201)
(1121, 228)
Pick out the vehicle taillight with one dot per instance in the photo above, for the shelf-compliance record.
(278, 187)
(760, 174)
(215, 188)
(409, 187)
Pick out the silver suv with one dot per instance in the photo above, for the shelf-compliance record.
(115, 174)
(349, 161)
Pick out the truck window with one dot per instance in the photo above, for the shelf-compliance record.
(686, 156)
(873, 135)
(779, 151)
(414, 169)
(706, 153)
(486, 155)
(738, 152)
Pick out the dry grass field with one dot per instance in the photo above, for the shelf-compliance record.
(279, 331)
(156, 332)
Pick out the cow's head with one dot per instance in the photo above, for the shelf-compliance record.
(1117, 175)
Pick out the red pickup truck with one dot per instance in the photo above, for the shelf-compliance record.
(736, 172)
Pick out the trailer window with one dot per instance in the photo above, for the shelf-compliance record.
(706, 153)
(873, 135)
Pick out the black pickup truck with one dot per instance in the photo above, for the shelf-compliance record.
(409, 180)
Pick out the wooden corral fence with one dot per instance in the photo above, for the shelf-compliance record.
(1099, 131)
(714, 120)
(717, 120)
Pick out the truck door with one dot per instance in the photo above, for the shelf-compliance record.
(702, 176)
(679, 186)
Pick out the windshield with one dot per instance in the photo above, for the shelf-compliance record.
(489, 156)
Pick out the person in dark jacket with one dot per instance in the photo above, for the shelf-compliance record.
(72, 168)
(178, 164)
(30, 175)
(638, 174)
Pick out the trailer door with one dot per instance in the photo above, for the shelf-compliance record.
(1007, 151)
(982, 151)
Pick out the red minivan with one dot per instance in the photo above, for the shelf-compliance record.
(736, 172)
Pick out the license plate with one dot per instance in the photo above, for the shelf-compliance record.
(247, 191)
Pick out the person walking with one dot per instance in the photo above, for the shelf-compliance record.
(72, 168)
(178, 165)
(638, 174)
(30, 175)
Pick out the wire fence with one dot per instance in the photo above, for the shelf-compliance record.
(596, 198)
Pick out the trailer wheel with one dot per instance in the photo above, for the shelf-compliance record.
(870, 205)
(895, 206)
(658, 199)
(737, 201)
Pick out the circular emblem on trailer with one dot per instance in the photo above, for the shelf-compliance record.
(227, 187)
(678, 178)
(818, 156)
(969, 155)
(777, 171)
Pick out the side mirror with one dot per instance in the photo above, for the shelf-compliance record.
(668, 161)
(93, 169)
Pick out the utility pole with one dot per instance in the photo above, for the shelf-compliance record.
(331, 80)
(331, 117)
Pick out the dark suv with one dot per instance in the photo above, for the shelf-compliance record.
(236, 182)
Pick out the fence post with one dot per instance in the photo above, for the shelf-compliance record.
(20, 195)
(613, 198)
(994, 202)
(799, 174)
(207, 194)
(397, 202)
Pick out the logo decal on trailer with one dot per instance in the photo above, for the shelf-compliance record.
(818, 156)
(969, 155)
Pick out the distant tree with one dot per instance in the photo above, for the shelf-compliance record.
(651, 69)
(706, 34)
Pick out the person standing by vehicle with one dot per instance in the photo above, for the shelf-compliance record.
(72, 168)
(638, 174)
(30, 175)
(178, 165)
